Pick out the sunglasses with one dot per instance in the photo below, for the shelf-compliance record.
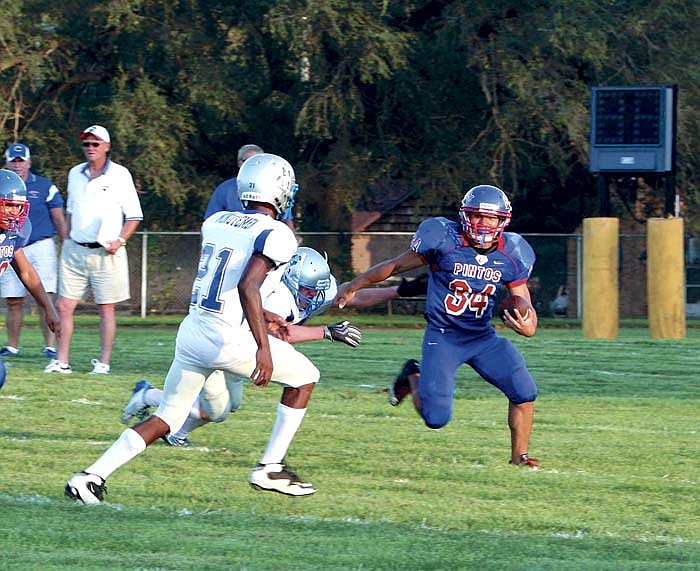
(91, 144)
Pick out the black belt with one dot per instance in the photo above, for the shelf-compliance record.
(89, 244)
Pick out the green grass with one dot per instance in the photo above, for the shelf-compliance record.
(616, 428)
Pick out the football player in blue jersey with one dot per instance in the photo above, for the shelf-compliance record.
(468, 265)
(15, 229)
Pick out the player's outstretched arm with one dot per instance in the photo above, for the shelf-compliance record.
(344, 332)
(382, 271)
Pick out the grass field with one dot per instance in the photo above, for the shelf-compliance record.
(616, 428)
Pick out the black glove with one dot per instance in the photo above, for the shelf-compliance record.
(414, 287)
(343, 331)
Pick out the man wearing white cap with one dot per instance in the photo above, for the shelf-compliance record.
(103, 212)
(47, 220)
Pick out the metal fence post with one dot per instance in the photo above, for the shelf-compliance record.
(579, 275)
(144, 274)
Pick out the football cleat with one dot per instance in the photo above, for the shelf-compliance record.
(525, 460)
(9, 351)
(49, 352)
(86, 488)
(137, 407)
(279, 478)
(401, 388)
(55, 366)
(179, 441)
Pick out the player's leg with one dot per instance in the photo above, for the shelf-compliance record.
(222, 394)
(182, 385)
(503, 366)
(442, 355)
(520, 418)
(406, 383)
(143, 396)
(298, 375)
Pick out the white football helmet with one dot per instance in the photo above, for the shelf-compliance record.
(309, 270)
(267, 178)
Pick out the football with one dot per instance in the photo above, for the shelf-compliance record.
(511, 302)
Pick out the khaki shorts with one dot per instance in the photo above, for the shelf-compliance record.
(42, 255)
(83, 269)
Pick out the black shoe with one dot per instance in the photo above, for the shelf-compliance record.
(401, 388)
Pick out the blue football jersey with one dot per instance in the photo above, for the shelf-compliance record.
(463, 285)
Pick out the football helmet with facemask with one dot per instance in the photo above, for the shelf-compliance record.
(14, 206)
(485, 200)
(309, 270)
(267, 178)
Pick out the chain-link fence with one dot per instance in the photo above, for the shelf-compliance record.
(163, 266)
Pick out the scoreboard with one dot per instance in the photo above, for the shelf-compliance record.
(633, 129)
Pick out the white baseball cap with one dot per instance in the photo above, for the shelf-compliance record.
(96, 131)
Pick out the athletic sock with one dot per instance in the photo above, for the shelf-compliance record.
(126, 447)
(286, 425)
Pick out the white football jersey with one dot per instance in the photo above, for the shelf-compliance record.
(229, 239)
(282, 301)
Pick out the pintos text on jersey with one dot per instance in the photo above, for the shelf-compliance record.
(478, 272)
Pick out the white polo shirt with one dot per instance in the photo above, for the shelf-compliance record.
(98, 207)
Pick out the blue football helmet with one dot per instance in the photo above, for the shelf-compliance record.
(267, 178)
(13, 194)
(485, 200)
(3, 373)
(309, 270)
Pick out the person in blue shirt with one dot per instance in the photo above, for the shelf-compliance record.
(15, 230)
(469, 262)
(225, 196)
(47, 220)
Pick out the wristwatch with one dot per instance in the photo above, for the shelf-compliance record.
(122, 241)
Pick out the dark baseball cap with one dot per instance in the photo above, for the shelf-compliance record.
(17, 151)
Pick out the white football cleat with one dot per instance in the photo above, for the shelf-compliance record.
(278, 478)
(137, 407)
(86, 488)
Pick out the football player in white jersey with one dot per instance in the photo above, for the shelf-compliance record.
(227, 329)
(307, 289)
